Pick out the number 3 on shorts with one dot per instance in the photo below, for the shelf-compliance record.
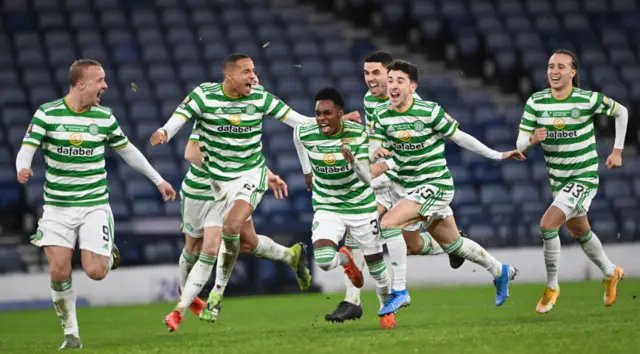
(376, 226)
(576, 191)
(105, 233)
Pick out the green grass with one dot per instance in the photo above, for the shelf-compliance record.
(440, 320)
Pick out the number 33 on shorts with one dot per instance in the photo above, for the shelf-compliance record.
(574, 199)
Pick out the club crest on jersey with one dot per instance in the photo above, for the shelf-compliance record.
(250, 109)
(234, 119)
(418, 126)
(404, 136)
(76, 139)
(93, 129)
(575, 113)
(558, 123)
(329, 159)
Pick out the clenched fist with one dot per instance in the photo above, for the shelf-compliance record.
(539, 135)
(159, 137)
(24, 174)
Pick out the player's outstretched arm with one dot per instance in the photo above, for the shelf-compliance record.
(293, 118)
(134, 158)
(470, 143)
(621, 115)
(189, 108)
(305, 162)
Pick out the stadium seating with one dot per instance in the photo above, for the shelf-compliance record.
(155, 51)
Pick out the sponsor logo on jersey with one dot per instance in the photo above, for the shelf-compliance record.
(408, 146)
(232, 129)
(561, 134)
(71, 151)
(332, 169)
(329, 159)
(76, 139)
(404, 135)
(558, 123)
(234, 119)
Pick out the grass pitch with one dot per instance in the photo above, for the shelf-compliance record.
(440, 320)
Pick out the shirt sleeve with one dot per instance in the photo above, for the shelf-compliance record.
(274, 107)
(441, 122)
(37, 129)
(116, 138)
(604, 105)
(529, 118)
(192, 106)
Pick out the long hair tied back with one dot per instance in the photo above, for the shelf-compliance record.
(574, 65)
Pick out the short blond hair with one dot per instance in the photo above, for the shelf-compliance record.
(77, 69)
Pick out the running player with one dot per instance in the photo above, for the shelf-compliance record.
(415, 130)
(559, 118)
(229, 117)
(73, 132)
(413, 241)
(341, 201)
(197, 212)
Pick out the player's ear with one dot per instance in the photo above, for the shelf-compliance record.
(414, 85)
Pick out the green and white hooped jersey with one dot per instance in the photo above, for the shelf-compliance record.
(372, 102)
(73, 145)
(336, 188)
(196, 183)
(416, 138)
(570, 148)
(230, 128)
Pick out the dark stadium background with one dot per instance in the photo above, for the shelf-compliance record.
(478, 59)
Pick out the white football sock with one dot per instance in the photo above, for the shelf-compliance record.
(198, 277)
(186, 262)
(228, 254)
(429, 246)
(472, 251)
(378, 271)
(592, 247)
(397, 248)
(269, 249)
(551, 248)
(353, 294)
(64, 302)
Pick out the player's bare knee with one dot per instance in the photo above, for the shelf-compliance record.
(576, 231)
(387, 222)
(96, 270)
(414, 244)
(60, 272)
(232, 226)
(246, 246)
